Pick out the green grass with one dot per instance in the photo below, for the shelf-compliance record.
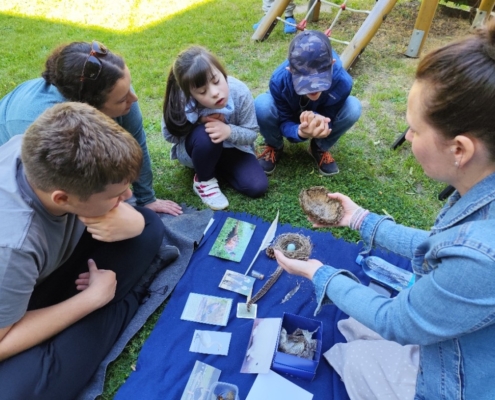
(372, 174)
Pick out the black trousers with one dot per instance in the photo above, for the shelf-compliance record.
(59, 368)
(241, 170)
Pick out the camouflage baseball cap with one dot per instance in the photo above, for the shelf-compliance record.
(311, 60)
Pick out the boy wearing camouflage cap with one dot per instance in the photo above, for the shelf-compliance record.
(308, 98)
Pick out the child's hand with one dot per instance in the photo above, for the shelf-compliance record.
(120, 223)
(101, 283)
(306, 117)
(217, 130)
(313, 125)
(218, 116)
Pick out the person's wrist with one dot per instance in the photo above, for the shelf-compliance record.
(91, 298)
(357, 218)
(311, 271)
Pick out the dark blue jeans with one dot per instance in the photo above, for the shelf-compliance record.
(60, 367)
(241, 170)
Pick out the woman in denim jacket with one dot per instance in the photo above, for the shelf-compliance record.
(450, 310)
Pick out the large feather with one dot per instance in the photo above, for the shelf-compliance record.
(270, 234)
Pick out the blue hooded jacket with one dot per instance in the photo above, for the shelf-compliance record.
(289, 103)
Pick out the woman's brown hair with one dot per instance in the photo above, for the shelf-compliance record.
(460, 77)
(64, 68)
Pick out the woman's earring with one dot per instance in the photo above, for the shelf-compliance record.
(456, 164)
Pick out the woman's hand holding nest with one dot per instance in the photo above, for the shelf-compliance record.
(324, 209)
(298, 267)
(349, 207)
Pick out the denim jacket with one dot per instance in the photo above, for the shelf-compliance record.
(450, 310)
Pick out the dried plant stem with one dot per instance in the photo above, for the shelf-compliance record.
(269, 283)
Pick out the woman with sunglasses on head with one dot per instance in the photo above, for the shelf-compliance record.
(450, 310)
(92, 74)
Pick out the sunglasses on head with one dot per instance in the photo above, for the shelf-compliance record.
(92, 66)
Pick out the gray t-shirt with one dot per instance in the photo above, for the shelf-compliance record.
(33, 242)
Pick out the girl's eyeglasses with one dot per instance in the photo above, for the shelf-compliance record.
(92, 66)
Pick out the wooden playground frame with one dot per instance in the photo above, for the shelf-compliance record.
(368, 30)
(370, 26)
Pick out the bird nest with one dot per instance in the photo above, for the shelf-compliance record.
(302, 246)
(319, 207)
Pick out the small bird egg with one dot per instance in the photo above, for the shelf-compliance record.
(291, 247)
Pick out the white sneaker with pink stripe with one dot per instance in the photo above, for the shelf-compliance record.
(210, 193)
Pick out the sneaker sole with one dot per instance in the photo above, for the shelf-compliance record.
(209, 206)
(326, 173)
(217, 208)
(214, 208)
(270, 172)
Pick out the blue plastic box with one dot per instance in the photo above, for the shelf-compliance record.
(293, 365)
(220, 388)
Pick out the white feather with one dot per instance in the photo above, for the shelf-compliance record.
(270, 234)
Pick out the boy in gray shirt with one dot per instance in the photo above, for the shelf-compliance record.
(74, 257)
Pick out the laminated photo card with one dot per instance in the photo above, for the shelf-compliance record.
(236, 282)
(207, 309)
(243, 312)
(210, 342)
(232, 240)
(261, 347)
(200, 380)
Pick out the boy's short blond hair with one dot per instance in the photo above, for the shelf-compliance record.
(76, 148)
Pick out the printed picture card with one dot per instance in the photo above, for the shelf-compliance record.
(211, 342)
(232, 240)
(243, 312)
(236, 282)
(261, 346)
(207, 309)
(200, 380)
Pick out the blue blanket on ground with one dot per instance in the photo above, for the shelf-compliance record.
(165, 363)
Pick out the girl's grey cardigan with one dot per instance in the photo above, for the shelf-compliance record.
(242, 122)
